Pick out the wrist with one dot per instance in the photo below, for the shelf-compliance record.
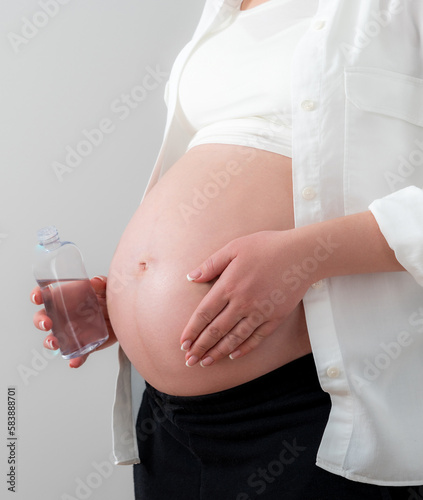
(316, 248)
(347, 245)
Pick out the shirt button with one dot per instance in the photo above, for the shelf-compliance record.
(332, 372)
(308, 193)
(308, 105)
(319, 24)
(317, 285)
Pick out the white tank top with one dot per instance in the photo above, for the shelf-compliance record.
(236, 86)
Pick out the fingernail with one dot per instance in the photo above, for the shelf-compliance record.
(50, 344)
(207, 361)
(33, 298)
(42, 325)
(100, 278)
(191, 361)
(193, 275)
(186, 345)
(235, 354)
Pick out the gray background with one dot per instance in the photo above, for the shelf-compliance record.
(79, 60)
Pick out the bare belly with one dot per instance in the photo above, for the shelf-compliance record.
(213, 194)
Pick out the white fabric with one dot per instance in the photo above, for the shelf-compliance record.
(237, 82)
(357, 91)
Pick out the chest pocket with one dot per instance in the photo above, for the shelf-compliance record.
(383, 134)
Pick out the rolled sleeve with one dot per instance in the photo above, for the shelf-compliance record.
(400, 219)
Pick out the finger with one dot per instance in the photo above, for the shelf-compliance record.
(78, 362)
(229, 343)
(50, 342)
(233, 345)
(253, 341)
(99, 284)
(214, 265)
(42, 321)
(211, 336)
(36, 297)
(205, 313)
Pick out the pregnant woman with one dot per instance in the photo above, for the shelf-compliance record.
(270, 194)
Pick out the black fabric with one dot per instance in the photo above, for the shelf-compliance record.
(256, 441)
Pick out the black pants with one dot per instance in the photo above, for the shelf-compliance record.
(256, 441)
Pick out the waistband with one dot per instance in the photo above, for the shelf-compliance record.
(254, 132)
(295, 378)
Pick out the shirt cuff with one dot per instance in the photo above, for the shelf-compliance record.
(400, 219)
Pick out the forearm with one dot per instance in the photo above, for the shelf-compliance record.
(355, 246)
(274, 269)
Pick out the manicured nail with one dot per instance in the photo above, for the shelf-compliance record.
(42, 325)
(33, 298)
(235, 354)
(186, 345)
(100, 278)
(51, 345)
(191, 361)
(193, 275)
(207, 361)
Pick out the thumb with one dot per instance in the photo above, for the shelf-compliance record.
(213, 266)
(99, 285)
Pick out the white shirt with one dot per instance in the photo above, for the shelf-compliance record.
(357, 101)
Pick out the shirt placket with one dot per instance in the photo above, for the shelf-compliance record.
(308, 162)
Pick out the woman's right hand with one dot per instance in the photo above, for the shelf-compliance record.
(44, 323)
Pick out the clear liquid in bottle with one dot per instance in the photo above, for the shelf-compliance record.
(69, 298)
(78, 323)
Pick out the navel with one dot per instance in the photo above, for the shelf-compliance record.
(143, 266)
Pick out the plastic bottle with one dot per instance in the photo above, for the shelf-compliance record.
(69, 298)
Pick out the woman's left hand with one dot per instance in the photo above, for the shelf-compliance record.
(256, 290)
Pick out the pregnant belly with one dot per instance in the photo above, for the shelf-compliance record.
(213, 194)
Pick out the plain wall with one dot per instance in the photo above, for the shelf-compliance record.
(64, 75)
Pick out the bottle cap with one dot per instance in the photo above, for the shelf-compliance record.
(47, 235)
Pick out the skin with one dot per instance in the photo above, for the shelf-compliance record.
(43, 322)
(285, 250)
(225, 320)
(150, 301)
(249, 269)
(249, 4)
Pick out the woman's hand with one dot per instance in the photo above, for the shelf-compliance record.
(261, 282)
(263, 276)
(44, 323)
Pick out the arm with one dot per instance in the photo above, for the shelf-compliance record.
(271, 271)
(362, 248)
